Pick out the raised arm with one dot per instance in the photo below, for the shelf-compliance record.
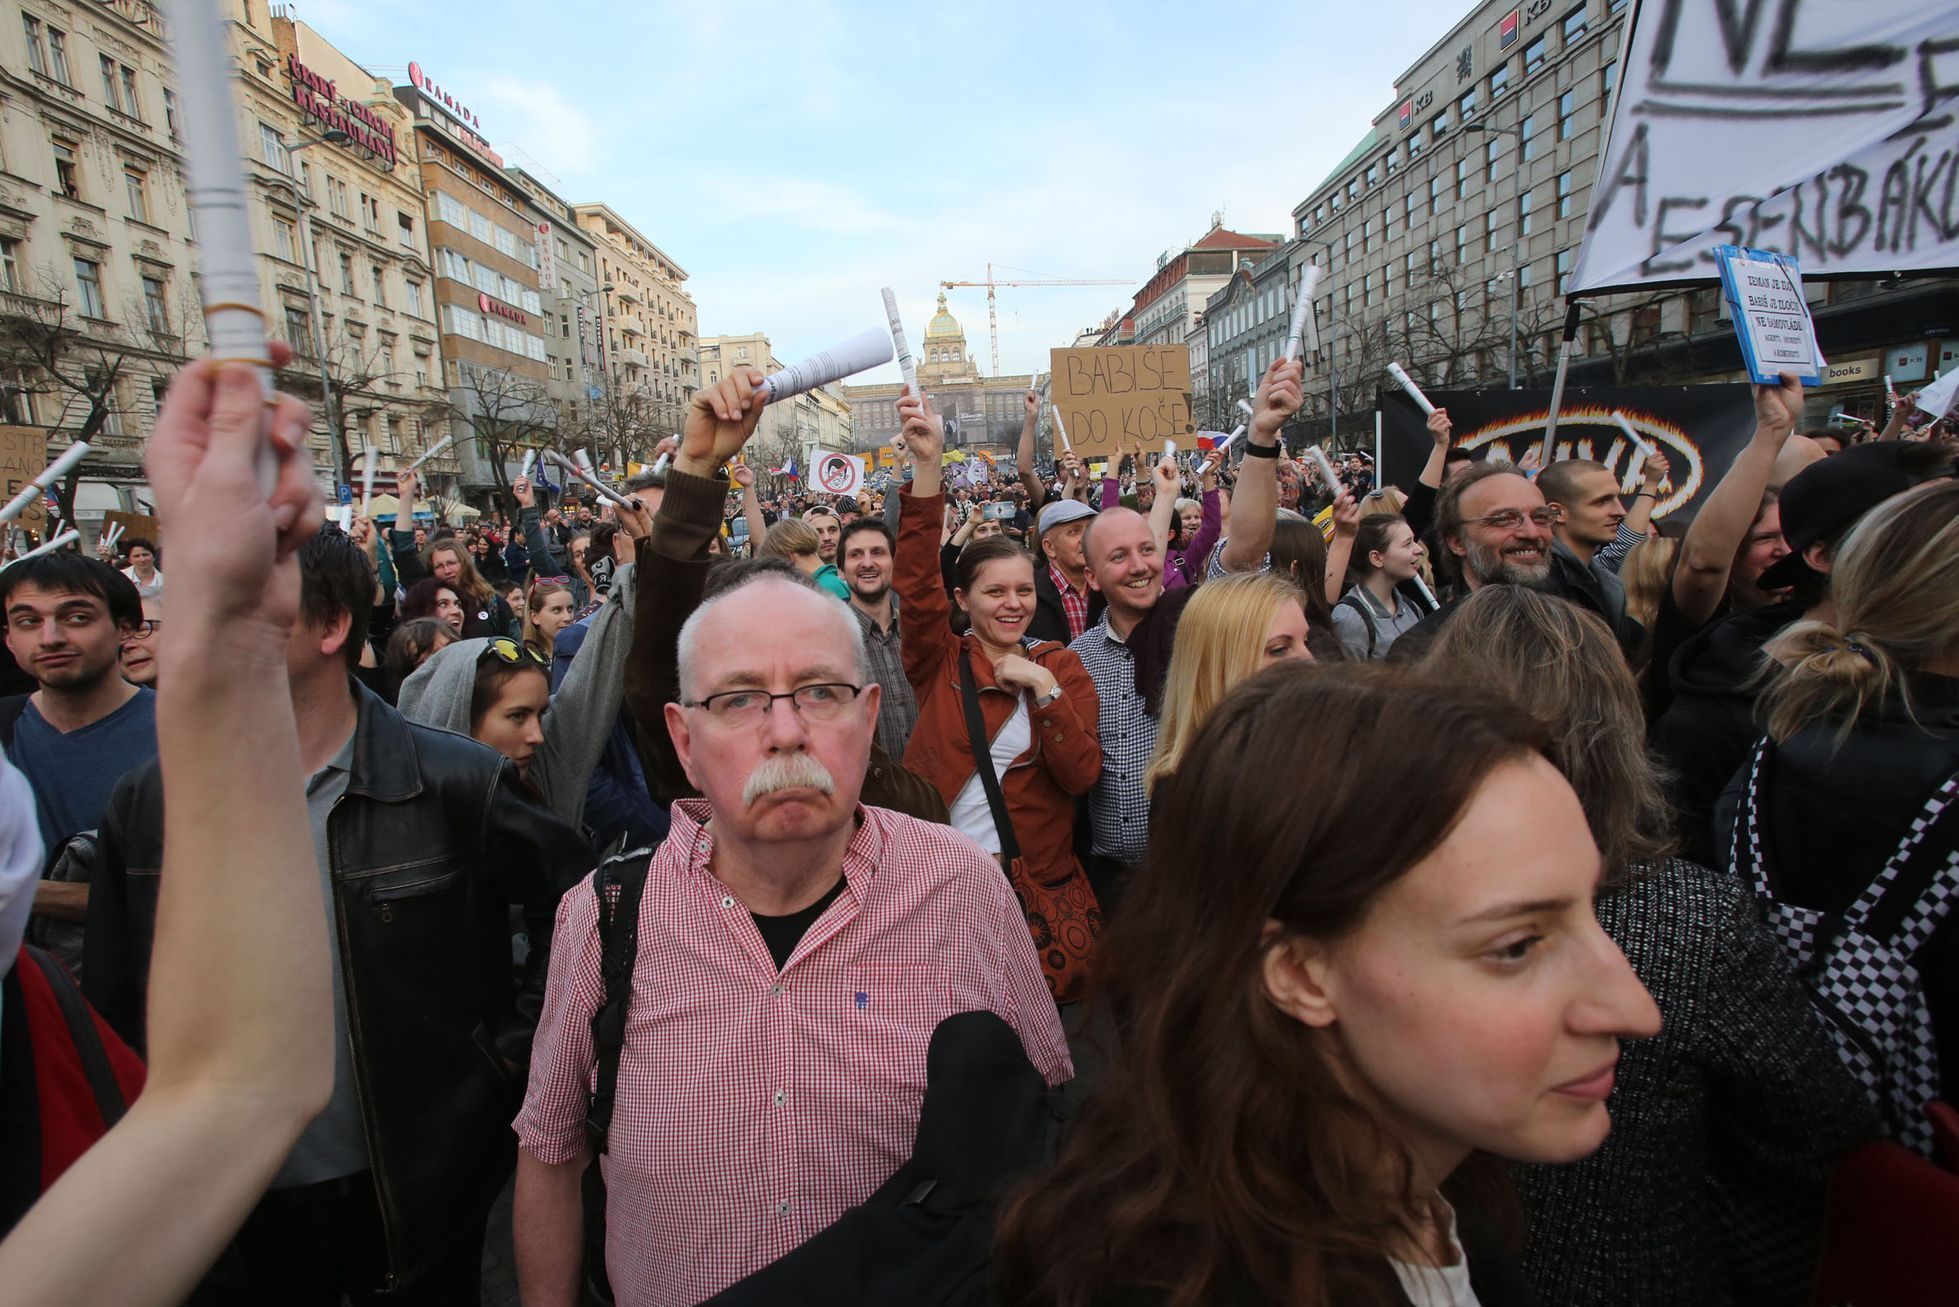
(1024, 452)
(1707, 554)
(672, 566)
(401, 540)
(1638, 523)
(1164, 508)
(751, 506)
(1255, 507)
(240, 1017)
(1346, 525)
(924, 612)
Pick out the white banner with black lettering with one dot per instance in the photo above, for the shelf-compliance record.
(1825, 129)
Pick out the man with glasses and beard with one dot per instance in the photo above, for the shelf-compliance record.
(795, 951)
(1496, 529)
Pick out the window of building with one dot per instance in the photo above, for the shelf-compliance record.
(1492, 151)
(284, 243)
(1414, 144)
(1466, 106)
(111, 94)
(1366, 240)
(1435, 195)
(1499, 82)
(404, 230)
(1387, 224)
(1489, 232)
(1438, 126)
(1353, 190)
(414, 297)
(1567, 115)
(1413, 202)
(380, 285)
(370, 213)
(1394, 160)
(1561, 265)
(1387, 281)
(1462, 179)
(272, 148)
(336, 197)
(1606, 80)
(67, 169)
(88, 280)
(1535, 54)
(135, 186)
(58, 56)
(1462, 244)
(10, 265)
(1523, 276)
(1373, 175)
(297, 334)
(346, 274)
(156, 304)
(1564, 195)
(1523, 215)
(1434, 254)
(1574, 26)
(1527, 138)
(37, 55)
(1408, 264)
(170, 112)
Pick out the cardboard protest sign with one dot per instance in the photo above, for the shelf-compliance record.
(1700, 429)
(134, 526)
(1825, 130)
(1771, 317)
(24, 456)
(1115, 396)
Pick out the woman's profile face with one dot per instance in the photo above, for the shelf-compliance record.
(1479, 1004)
(514, 724)
(1403, 556)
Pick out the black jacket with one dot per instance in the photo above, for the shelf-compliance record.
(433, 840)
(1835, 814)
(1707, 731)
(1050, 618)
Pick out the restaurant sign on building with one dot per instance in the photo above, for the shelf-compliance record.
(319, 99)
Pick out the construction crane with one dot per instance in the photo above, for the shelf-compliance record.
(992, 309)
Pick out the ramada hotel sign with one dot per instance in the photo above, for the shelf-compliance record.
(463, 120)
(500, 309)
(319, 99)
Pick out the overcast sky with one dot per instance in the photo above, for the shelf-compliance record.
(794, 156)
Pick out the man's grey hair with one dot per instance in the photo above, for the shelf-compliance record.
(846, 621)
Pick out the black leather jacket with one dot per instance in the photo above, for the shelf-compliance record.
(432, 841)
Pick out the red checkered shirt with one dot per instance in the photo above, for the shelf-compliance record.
(1074, 604)
(754, 1106)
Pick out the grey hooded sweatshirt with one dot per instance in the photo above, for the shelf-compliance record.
(581, 713)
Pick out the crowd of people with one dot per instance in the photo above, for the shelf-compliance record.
(1178, 880)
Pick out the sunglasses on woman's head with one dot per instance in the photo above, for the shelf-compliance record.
(509, 651)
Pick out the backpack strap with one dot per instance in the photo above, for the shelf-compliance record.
(618, 949)
(1909, 897)
(75, 1012)
(1359, 605)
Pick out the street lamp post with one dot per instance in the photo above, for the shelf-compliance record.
(1513, 273)
(336, 438)
(1332, 349)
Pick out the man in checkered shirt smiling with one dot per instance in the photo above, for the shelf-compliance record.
(796, 950)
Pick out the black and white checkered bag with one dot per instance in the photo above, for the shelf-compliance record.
(1860, 965)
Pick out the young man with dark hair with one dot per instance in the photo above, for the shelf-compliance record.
(84, 727)
(866, 558)
(423, 838)
(829, 530)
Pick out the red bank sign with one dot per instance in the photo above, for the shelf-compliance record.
(319, 99)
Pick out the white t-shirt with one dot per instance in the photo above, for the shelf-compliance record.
(154, 586)
(972, 816)
(1438, 1286)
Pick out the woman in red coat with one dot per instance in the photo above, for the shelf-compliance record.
(1035, 697)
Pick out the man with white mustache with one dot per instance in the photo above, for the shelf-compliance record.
(795, 951)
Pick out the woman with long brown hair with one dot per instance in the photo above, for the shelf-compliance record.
(1361, 953)
(1710, 1188)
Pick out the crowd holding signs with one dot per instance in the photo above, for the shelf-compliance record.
(1163, 866)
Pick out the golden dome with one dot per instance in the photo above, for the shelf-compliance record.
(943, 323)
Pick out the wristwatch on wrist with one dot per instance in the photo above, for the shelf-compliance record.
(1049, 697)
